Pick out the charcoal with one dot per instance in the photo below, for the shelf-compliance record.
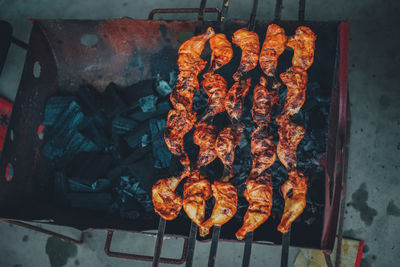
(97, 202)
(172, 78)
(97, 186)
(163, 88)
(131, 188)
(113, 104)
(60, 189)
(90, 98)
(146, 140)
(54, 107)
(162, 109)
(68, 120)
(122, 125)
(87, 168)
(144, 172)
(94, 132)
(134, 139)
(132, 94)
(148, 103)
(200, 101)
(161, 153)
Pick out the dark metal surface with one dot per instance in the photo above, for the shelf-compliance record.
(328, 260)
(181, 10)
(48, 232)
(131, 256)
(19, 43)
(252, 20)
(285, 248)
(224, 10)
(159, 242)
(124, 54)
(200, 17)
(278, 10)
(191, 245)
(302, 9)
(248, 241)
(214, 246)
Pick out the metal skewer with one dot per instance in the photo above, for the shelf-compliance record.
(247, 249)
(191, 245)
(200, 17)
(214, 246)
(224, 10)
(159, 242)
(285, 249)
(252, 21)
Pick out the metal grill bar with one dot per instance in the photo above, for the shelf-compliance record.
(159, 242)
(278, 10)
(302, 9)
(252, 21)
(181, 10)
(224, 10)
(192, 244)
(200, 17)
(285, 249)
(214, 246)
(247, 249)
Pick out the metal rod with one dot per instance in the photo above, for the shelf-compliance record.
(200, 17)
(278, 9)
(328, 260)
(252, 21)
(181, 10)
(192, 244)
(47, 232)
(247, 249)
(19, 43)
(159, 242)
(285, 249)
(224, 10)
(302, 9)
(214, 246)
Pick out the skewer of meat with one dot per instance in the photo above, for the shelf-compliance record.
(222, 51)
(180, 121)
(235, 98)
(215, 87)
(249, 43)
(258, 190)
(290, 134)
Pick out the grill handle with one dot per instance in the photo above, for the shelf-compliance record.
(130, 256)
(182, 10)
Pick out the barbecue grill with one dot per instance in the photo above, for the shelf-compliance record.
(128, 51)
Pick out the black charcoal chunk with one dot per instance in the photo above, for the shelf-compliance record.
(91, 130)
(54, 108)
(134, 139)
(97, 202)
(60, 189)
(90, 98)
(132, 93)
(81, 187)
(148, 103)
(162, 110)
(163, 88)
(161, 153)
(172, 77)
(122, 125)
(113, 103)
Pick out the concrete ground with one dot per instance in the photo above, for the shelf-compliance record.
(373, 201)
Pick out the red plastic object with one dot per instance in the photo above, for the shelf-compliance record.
(5, 114)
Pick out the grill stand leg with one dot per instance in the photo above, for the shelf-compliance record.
(214, 246)
(191, 245)
(285, 249)
(247, 249)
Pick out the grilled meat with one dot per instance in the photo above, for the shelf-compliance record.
(189, 53)
(273, 46)
(179, 123)
(290, 135)
(235, 98)
(249, 43)
(263, 101)
(263, 151)
(215, 87)
(226, 200)
(294, 192)
(296, 81)
(222, 51)
(258, 193)
(303, 45)
(225, 145)
(196, 192)
(166, 202)
(205, 136)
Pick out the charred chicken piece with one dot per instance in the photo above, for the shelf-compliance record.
(215, 87)
(189, 53)
(205, 136)
(179, 123)
(225, 145)
(166, 202)
(249, 43)
(295, 80)
(258, 193)
(263, 151)
(196, 192)
(226, 200)
(222, 51)
(273, 46)
(235, 98)
(303, 45)
(263, 101)
(290, 135)
(294, 192)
